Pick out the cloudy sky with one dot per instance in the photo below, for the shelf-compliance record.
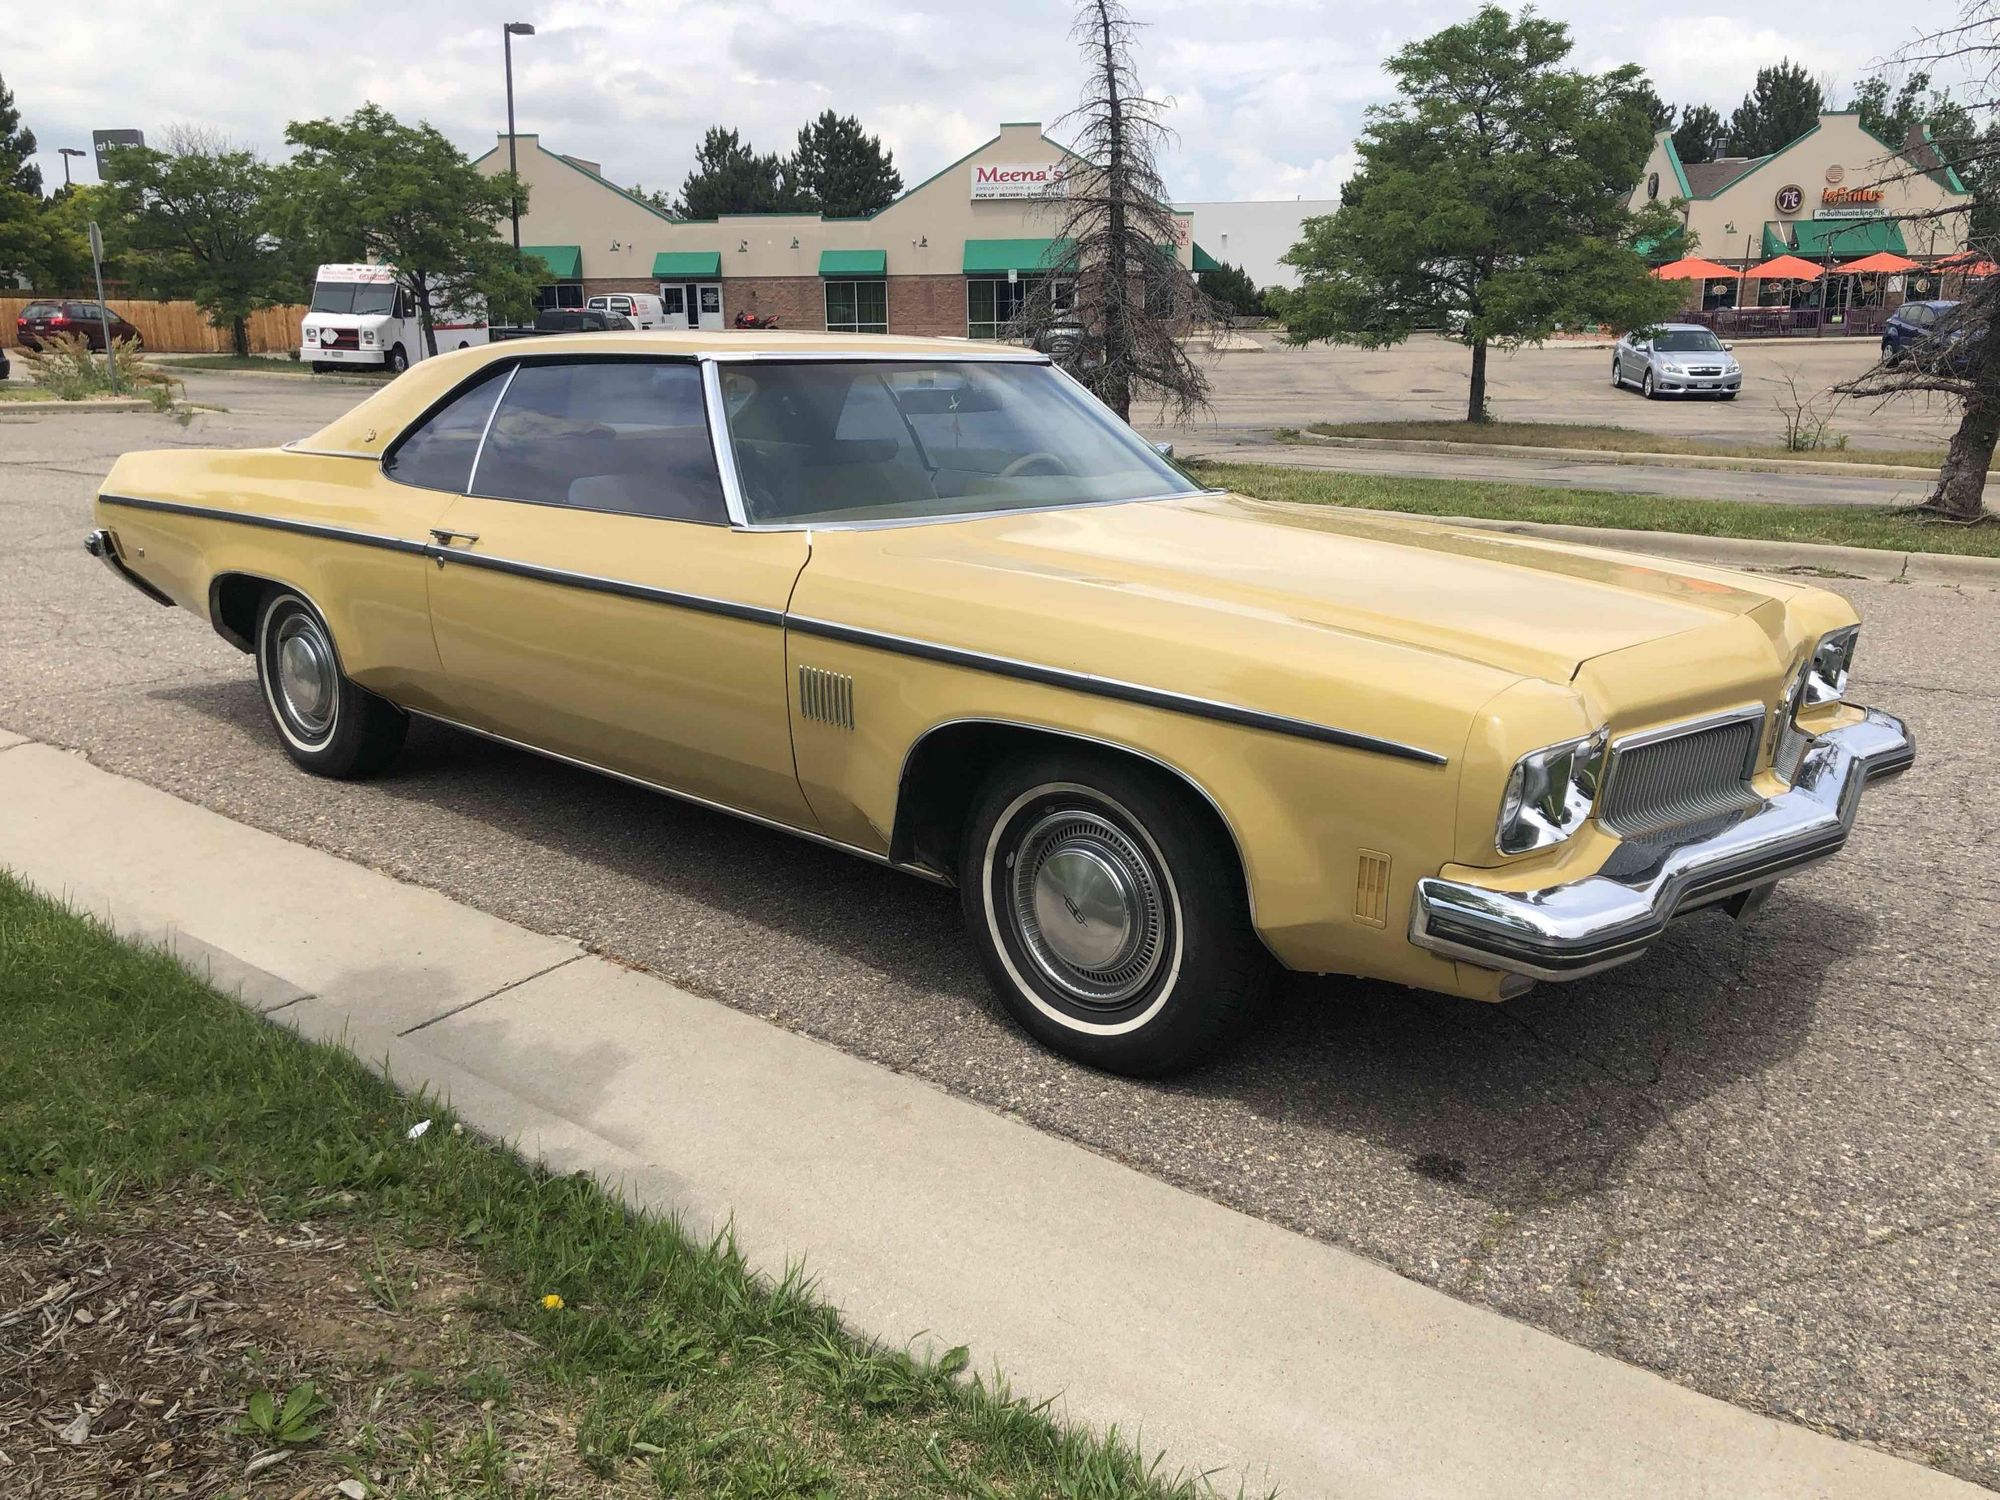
(1268, 94)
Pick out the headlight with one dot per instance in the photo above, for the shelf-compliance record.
(1551, 793)
(1824, 679)
(368, 336)
(312, 335)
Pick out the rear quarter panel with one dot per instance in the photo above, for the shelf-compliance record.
(372, 596)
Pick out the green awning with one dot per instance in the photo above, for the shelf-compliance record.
(1774, 242)
(691, 265)
(854, 263)
(998, 257)
(565, 262)
(1659, 248)
(1203, 261)
(1845, 238)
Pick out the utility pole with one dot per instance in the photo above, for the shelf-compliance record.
(507, 34)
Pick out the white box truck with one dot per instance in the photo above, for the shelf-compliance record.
(362, 319)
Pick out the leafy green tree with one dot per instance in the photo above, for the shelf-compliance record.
(1698, 137)
(409, 198)
(17, 148)
(1231, 287)
(1492, 200)
(197, 214)
(732, 177)
(841, 170)
(1781, 106)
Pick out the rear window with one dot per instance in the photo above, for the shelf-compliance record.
(438, 455)
(39, 310)
(615, 435)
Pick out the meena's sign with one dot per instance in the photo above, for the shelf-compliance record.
(1008, 179)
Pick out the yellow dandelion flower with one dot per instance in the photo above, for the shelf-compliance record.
(552, 1302)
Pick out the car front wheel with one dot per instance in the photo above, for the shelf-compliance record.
(329, 726)
(1109, 913)
(397, 360)
(1646, 386)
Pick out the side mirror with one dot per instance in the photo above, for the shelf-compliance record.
(1727, 345)
(1165, 450)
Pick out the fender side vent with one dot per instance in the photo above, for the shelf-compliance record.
(827, 697)
(1371, 889)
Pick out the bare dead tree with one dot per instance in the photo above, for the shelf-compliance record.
(1961, 357)
(1119, 310)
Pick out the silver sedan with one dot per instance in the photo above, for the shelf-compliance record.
(1676, 359)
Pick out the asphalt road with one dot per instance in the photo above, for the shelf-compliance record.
(1762, 1162)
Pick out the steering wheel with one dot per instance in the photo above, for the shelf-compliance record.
(1027, 461)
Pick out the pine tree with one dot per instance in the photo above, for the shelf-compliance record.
(1781, 106)
(17, 148)
(843, 171)
(1698, 137)
(730, 177)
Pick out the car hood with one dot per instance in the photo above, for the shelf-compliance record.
(1518, 604)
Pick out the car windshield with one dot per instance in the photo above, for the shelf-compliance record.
(1686, 341)
(370, 297)
(852, 440)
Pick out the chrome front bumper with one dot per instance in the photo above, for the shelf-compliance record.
(1568, 931)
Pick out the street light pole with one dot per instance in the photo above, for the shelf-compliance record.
(507, 34)
(66, 152)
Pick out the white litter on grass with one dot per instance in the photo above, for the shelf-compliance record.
(353, 1489)
(416, 1131)
(77, 1433)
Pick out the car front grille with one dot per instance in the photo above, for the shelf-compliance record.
(1704, 369)
(1667, 783)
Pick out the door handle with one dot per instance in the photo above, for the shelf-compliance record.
(446, 538)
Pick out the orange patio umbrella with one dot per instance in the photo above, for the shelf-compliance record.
(1694, 269)
(1784, 268)
(1882, 262)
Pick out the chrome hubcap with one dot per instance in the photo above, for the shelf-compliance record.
(1088, 907)
(307, 682)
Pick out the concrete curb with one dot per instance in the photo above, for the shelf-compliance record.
(277, 374)
(71, 408)
(1739, 552)
(1236, 1346)
(1614, 456)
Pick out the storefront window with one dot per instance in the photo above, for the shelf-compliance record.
(857, 307)
(992, 302)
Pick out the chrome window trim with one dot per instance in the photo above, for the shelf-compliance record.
(923, 872)
(1109, 687)
(725, 450)
(485, 429)
(892, 522)
(972, 352)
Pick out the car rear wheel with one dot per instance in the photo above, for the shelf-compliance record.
(1109, 913)
(1617, 375)
(1646, 386)
(328, 725)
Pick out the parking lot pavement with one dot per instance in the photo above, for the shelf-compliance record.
(1424, 379)
(1762, 1162)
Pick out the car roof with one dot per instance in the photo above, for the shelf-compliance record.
(368, 429)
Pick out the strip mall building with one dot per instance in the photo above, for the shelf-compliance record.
(1835, 194)
(956, 254)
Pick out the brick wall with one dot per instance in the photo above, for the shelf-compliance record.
(598, 286)
(797, 302)
(928, 306)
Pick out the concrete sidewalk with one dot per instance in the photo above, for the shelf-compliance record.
(1231, 1344)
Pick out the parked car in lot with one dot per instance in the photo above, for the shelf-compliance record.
(1931, 335)
(41, 321)
(1675, 359)
(567, 320)
(935, 606)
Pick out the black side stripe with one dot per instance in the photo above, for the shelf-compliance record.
(270, 523)
(1111, 687)
(978, 661)
(757, 614)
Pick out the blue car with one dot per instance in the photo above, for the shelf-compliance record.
(1910, 325)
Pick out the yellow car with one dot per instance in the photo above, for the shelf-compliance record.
(928, 602)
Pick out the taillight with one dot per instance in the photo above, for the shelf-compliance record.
(60, 320)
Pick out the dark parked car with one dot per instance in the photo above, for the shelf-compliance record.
(567, 320)
(42, 320)
(1925, 331)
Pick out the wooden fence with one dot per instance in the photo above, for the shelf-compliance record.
(178, 327)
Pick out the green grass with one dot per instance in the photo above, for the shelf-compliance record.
(18, 390)
(678, 1371)
(1840, 525)
(1615, 439)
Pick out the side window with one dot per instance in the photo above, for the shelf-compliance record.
(622, 435)
(439, 454)
(1920, 316)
